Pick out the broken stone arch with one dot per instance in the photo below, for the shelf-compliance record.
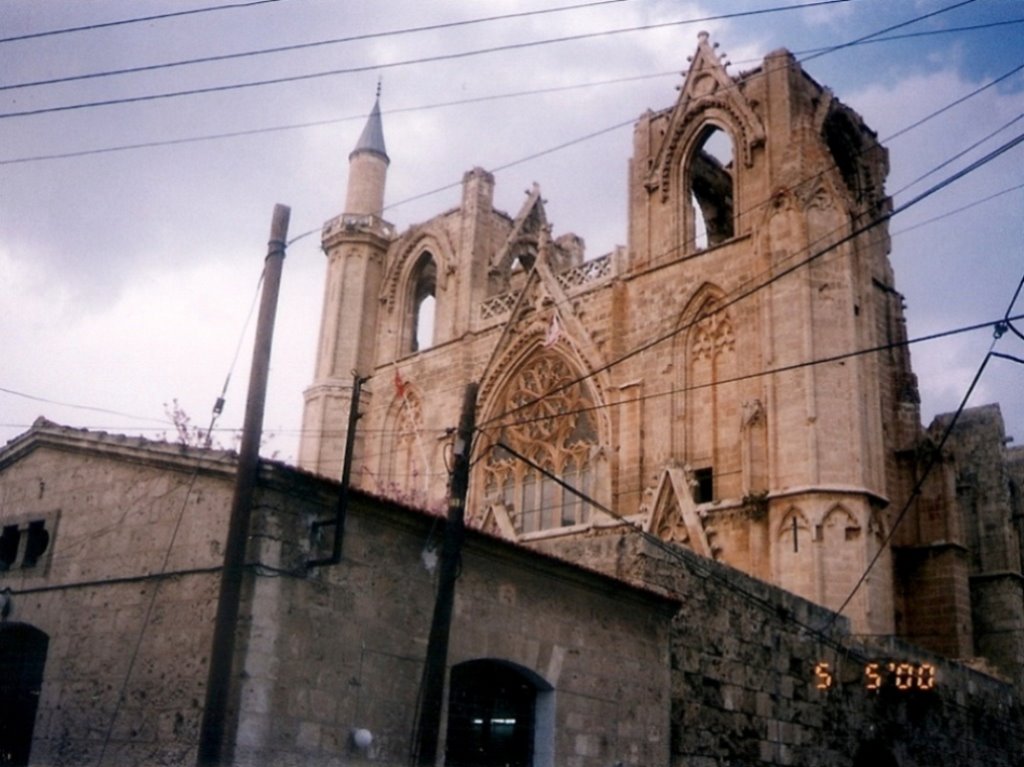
(419, 272)
(743, 131)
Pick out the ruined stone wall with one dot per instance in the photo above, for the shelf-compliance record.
(985, 495)
(745, 677)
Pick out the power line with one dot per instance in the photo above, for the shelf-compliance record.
(771, 371)
(121, 22)
(891, 28)
(304, 46)
(961, 153)
(746, 292)
(408, 62)
(336, 120)
(933, 460)
(482, 99)
(960, 209)
(954, 103)
(706, 568)
(755, 206)
(926, 33)
(75, 406)
(831, 358)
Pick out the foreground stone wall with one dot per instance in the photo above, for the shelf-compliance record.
(693, 664)
(344, 648)
(125, 590)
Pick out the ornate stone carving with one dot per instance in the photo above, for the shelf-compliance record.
(714, 335)
(550, 422)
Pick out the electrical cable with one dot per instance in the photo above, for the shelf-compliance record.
(706, 569)
(958, 155)
(891, 28)
(438, 432)
(746, 292)
(457, 102)
(831, 358)
(954, 103)
(218, 405)
(133, 658)
(304, 46)
(933, 460)
(72, 405)
(410, 62)
(756, 206)
(111, 412)
(122, 22)
(954, 211)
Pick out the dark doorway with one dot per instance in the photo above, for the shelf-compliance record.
(22, 657)
(491, 716)
(874, 755)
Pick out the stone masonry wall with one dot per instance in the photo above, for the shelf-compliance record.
(344, 648)
(126, 591)
(745, 688)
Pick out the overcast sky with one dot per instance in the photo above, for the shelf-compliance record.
(126, 276)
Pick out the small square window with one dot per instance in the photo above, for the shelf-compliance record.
(26, 542)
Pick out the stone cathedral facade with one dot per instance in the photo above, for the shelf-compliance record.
(709, 382)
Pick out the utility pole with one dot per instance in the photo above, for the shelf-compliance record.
(432, 685)
(346, 477)
(222, 653)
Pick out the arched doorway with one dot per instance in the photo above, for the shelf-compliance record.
(22, 658)
(498, 716)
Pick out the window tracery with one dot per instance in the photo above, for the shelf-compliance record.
(551, 424)
(713, 335)
(408, 465)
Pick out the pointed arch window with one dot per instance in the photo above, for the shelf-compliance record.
(710, 187)
(552, 424)
(422, 304)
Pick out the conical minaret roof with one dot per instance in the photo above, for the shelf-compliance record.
(372, 137)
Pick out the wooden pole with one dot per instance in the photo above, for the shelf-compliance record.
(432, 686)
(218, 685)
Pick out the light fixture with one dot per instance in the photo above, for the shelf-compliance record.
(362, 738)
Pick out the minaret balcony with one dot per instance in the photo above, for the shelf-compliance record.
(355, 223)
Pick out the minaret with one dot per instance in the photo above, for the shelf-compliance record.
(355, 243)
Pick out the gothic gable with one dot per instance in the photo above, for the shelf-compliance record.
(543, 317)
(521, 246)
(709, 96)
(674, 516)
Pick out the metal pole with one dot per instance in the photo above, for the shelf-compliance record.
(218, 684)
(432, 687)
